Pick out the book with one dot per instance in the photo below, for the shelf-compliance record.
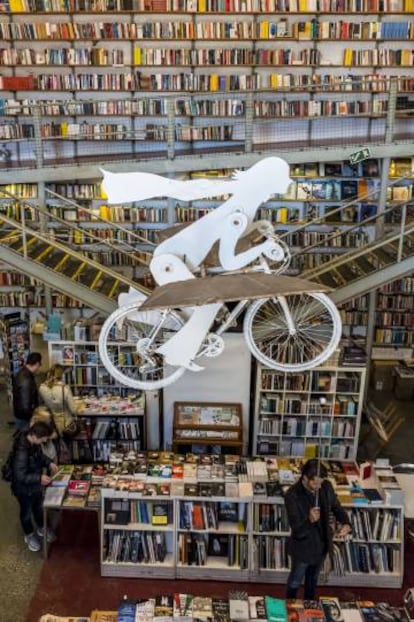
(373, 495)
(221, 610)
(54, 496)
(351, 612)
(228, 511)
(202, 609)
(276, 610)
(163, 608)
(331, 608)
(160, 513)
(239, 606)
(257, 609)
(182, 607)
(312, 612)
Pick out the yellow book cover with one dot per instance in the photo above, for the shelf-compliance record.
(282, 215)
(303, 6)
(201, 6)
(264, 30)
(64, 128)
(362, 187)
(214, 82)
(105, 212)
(137, 56)
(348, 57)
(102, 193)
(17, 6)
(274, 82)
(409, 6)
(311, 451)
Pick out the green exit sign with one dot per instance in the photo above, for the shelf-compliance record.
(359, 156)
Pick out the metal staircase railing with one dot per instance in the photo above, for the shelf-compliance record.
(359, 270)
(38, 253)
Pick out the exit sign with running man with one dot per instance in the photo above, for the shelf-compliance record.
(359, 156)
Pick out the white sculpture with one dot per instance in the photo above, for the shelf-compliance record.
(179, 258)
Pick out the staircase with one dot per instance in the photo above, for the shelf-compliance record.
(367, 268)
(40, 255)
(58, 265)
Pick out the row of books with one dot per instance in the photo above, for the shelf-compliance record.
(134, 546)
(195, 82)
(201, 549)
(187, 30)
(293, 427)
(242, 607)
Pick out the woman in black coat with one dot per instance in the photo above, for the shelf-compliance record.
(309, 505)
(29, 477)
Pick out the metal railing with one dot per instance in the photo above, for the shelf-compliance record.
(141, 126)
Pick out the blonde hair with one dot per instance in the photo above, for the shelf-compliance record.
(41, 413)
(55, 374)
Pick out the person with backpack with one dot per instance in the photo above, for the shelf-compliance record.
(31, 471)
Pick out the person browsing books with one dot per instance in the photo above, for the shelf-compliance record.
(25, 393)
(28, 480)
(309, 504)
(43, 413)
(58, 397)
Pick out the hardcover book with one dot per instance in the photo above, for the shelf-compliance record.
(221, 610)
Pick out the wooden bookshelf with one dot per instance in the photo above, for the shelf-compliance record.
(208, 424)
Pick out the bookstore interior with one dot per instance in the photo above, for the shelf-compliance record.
(207, 218)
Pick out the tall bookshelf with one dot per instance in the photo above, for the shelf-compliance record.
(201, 47)
(314, 413)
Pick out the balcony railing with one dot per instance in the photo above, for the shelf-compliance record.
(362, 110)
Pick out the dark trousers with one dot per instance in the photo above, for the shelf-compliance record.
(303, 571)
(30, 505)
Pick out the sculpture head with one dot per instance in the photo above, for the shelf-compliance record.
(266, 177)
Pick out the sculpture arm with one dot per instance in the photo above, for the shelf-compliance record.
(233, 228)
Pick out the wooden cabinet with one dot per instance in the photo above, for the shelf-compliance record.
(209, 424)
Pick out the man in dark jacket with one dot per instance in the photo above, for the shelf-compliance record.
(29, 478)
(309, 504)
(25, 393)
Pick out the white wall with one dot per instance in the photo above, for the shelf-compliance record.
(225, 379)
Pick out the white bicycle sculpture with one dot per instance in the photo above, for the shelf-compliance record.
(295, 327)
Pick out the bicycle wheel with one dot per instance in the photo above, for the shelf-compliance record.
(127, 347)
(312, 340)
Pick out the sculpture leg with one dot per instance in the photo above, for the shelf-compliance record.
(182, 348)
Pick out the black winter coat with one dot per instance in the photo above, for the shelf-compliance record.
(304, 544)
(25, 394)
(28, 464)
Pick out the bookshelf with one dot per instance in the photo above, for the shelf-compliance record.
(110, 415)
(81, 50)
(212, 537)
(210, 531)
(374, 553)
(137, 535)
(207, 424)
(291, 420)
